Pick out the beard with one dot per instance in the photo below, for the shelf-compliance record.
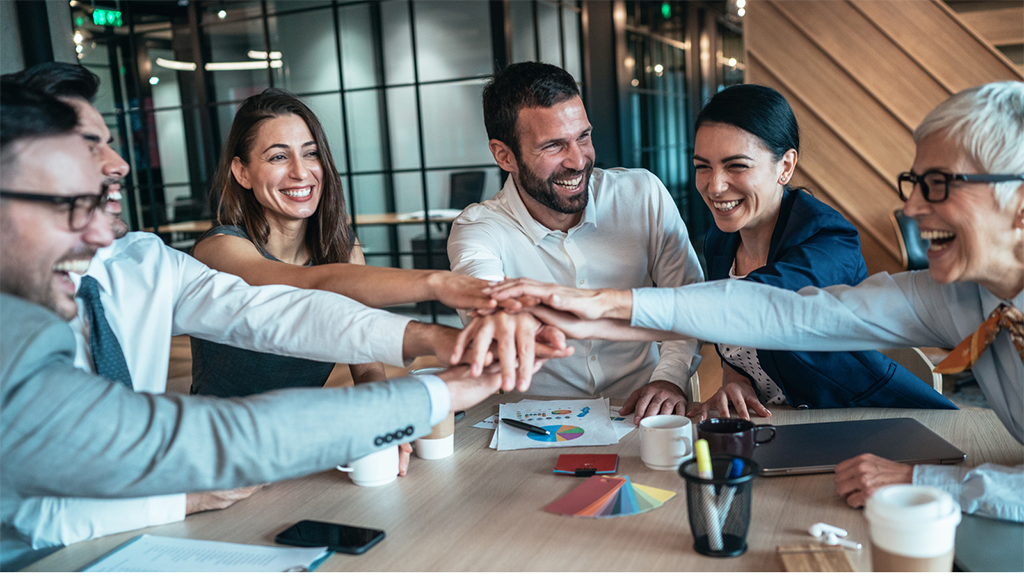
(543, 191)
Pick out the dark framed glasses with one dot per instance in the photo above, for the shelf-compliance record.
(935, 183)
(81, 208)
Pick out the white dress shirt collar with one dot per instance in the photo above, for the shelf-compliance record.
(535, 230)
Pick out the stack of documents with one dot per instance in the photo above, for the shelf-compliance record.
(608, 497)
(569, 423)
(148, 553)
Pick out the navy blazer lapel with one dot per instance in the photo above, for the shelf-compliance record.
(720, 264)
(785, 211)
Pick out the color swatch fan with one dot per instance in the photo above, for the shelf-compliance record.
(608, 497)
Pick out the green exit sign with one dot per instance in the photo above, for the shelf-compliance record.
(101, 17)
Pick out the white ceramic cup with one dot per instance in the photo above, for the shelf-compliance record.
(374, 469)
(666, 441)
(913, 528)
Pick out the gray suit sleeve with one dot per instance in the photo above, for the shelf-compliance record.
(69, 433)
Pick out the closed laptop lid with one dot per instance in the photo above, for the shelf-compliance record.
(989, 545)
(817, 448)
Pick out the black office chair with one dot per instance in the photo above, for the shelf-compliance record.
(466, 188)
(913, 250)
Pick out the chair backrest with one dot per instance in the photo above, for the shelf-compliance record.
(466, 188)
(915, 361)
(695, 388)
(913, 250)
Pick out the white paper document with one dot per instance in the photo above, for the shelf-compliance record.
(569, 423)
(487, 423)
(148, 553)
(623, 424)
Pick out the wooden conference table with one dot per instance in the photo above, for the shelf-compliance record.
(481, 510)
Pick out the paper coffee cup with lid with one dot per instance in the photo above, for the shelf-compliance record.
(913, 528)
(440, 443)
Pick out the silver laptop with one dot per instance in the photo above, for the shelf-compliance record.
(817, 448)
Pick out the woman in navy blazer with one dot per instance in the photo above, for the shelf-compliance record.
(745, 152)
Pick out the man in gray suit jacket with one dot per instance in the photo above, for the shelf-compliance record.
(65, 432)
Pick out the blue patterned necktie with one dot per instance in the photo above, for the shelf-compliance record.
(107, 356)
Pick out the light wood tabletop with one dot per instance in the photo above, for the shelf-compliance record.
(482, 510)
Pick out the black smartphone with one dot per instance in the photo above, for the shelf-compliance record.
(336, 537)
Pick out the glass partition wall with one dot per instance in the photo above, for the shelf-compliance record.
(397, 86)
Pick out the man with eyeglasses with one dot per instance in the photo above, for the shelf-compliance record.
(965, 191)
(70, 434)
(146, 291)
(76, 86)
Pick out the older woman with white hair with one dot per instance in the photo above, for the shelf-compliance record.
(965, 192)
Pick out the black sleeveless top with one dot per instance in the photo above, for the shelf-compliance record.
(222, 370)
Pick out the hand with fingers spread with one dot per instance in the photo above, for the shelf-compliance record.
(577, 328)
(658, 397)
(467, 389)
(518, 338)
(587, 304)
(736, 390)
(857, 478)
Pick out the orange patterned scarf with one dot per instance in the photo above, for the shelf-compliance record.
(967, 352)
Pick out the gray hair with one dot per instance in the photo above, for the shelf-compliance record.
(986, 122)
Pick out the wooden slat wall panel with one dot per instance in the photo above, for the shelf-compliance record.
(933, 36)
(853, 113)
(1001, 27)
(881, 67)
(860, 75)
(863, 195)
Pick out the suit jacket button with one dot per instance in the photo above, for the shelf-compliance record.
(409, 430)
(398, 435)
(389, 437)
(378, 441)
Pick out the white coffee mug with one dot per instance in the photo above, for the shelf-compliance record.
(374, 469)
(666, 441)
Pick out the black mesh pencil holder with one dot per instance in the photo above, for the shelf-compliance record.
(719, 508)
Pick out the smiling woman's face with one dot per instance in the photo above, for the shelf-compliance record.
(738, 178)
(283, 170)
(972, 237)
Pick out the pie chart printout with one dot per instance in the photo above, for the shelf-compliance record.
(559, 433)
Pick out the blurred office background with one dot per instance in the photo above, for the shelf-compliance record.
(397, 85)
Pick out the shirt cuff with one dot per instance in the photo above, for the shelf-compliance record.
(653, 308)
(948, 478)
(440, 398)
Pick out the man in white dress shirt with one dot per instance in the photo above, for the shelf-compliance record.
(150, 292)
(558, 219)
(65, 432)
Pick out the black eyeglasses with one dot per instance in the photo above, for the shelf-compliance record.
(935, 183)
(81, 208)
